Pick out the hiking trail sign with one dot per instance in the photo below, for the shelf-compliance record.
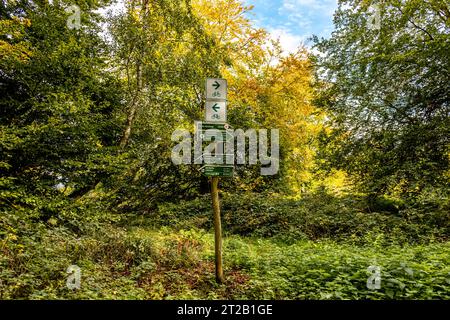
(216, 111)
(216, 89)
(216, 100)
(216, 117)
(202, 128)
(215, 170)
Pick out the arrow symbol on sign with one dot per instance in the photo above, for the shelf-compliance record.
(215, 107)
(216, 85)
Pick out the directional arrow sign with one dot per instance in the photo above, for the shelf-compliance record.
(203, 125)
(209, 136)
(215, 170)
(216, 111)
(215, 107)
(216, 89)
(201, 128)
(220, 159)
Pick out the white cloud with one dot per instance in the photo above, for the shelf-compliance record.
(323, 5)
(307, 17)
(289, 42)
(304, 13)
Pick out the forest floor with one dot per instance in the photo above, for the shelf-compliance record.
(170, 255)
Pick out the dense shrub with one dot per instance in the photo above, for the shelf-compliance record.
(315, 216)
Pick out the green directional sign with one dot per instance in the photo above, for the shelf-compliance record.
(209, 137)
(219, 159)
(218, 171)
(213, 125)
(222, 127)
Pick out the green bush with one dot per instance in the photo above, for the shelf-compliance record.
(315, 216)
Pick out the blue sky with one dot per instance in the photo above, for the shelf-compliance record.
(291, 21)
(294, 21)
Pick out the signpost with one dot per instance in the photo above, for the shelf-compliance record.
(202, 127)
(214, 162)
(224, 171)
(216, 89)
(216, 111)
(216, 117)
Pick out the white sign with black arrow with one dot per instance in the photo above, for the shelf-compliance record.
(216, 111)
(216, 89)
(216, 100)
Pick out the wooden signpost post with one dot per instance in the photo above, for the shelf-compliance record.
(217, 229)
(216, 117)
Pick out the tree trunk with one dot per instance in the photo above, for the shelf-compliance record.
(132, 110)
